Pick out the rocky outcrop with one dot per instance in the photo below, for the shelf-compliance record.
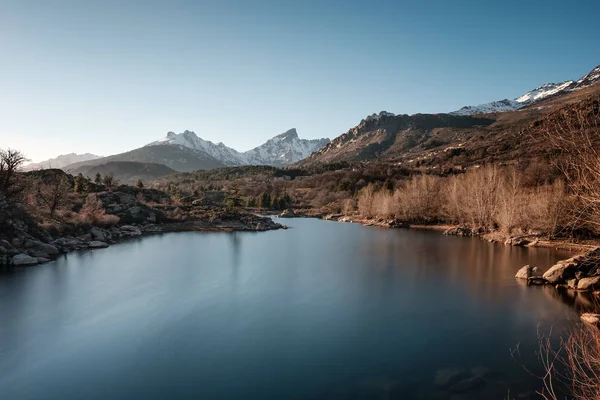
(584, 268)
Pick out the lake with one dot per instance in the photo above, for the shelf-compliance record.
(324, 310)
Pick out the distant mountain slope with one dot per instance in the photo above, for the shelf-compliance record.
(545, 91)
(61, 161)
(126, 171)
(179, 158)
(283, 149)
(447, 141)
(387, 135)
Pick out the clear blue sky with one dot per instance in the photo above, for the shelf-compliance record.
(109, 76)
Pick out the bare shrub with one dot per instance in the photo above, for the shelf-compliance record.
(53, 192)
(418, 199)
(365, 201)
(11, 183)
(93, 212)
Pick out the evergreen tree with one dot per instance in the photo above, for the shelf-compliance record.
(265, 200)
(81, 184)
(139, 184)
(251, 202)
(98, 179)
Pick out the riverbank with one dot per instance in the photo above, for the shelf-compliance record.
(455, 230)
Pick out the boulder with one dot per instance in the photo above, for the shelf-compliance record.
(42, 260)
(591, 318)
(561, 272)
(526, 272)
(591, 283)
(97, 234)
(38, 254)
(449, 376)
(24, 260)
(37, 245)
(97, 244)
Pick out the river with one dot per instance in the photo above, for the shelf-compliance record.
(324, 310)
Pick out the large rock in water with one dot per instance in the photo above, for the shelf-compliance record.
(526, 272)
(591, 283)
(24, 260)
(561, 272)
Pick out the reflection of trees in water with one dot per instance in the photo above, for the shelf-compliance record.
(580, 301)
(482, 269)
(235, 251)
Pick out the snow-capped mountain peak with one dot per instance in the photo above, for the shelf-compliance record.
(283, 149)
(537, 94)
(61, 161)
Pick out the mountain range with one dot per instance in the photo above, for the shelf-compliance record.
(504, 131)
(485, 132)
(284, 149)
(187, 152)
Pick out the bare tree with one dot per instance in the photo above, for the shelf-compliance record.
(11, 162)
(54, 193)
(110, 181)
(574, 133)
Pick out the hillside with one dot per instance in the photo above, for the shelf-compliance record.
(179, 158)
(444, 140)
(61, 161)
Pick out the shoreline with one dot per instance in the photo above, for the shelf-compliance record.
(493, 237)
(28, 251)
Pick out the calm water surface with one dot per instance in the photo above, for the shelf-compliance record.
(324, 310)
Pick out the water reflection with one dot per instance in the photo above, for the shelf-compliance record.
(324, 310)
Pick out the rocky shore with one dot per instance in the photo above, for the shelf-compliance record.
(23, 243)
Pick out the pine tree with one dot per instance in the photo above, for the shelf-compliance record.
(98, 179)
(81, 184)
(265, 200)
(139, 184)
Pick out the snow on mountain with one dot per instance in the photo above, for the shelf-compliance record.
(61, 161)
(494, 106)
(537, 94)
(189, 139)
(542, 92)
(283, 149)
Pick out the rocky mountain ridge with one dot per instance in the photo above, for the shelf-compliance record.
(283, 149)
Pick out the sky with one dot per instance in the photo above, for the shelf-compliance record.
(109, 76)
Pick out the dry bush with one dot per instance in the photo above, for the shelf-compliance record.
(365, 201)
(93, 212)
(575, 134)
(384, 204)
(419, 199)
(348, 206)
